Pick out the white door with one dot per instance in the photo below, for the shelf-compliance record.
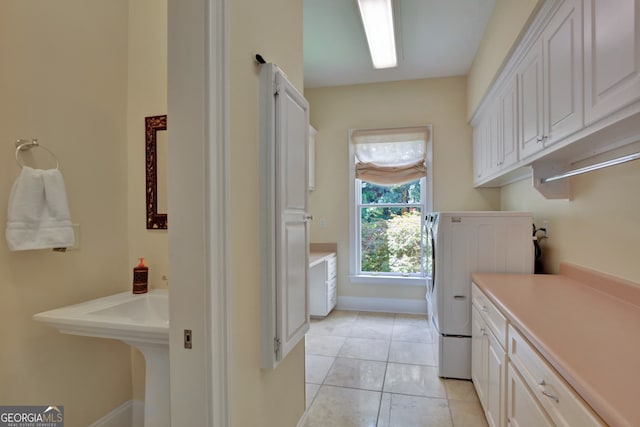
(612, 56)
(292, 180)
(284, 180)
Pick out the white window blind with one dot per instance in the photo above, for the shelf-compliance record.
(390, 156)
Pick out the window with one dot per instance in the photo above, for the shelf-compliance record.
(391, 191)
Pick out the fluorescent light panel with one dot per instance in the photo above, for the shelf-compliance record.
(377, 18)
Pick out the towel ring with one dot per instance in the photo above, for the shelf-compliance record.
(28, 144)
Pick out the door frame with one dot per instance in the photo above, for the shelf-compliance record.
(198, 126)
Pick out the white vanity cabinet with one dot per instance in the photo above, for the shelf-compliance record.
(488, 357)
(323, 292)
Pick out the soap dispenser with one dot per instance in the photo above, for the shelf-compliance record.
(140, 275)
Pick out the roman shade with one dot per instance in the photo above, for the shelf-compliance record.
(390, 156)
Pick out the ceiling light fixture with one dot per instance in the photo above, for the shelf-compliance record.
(377, 18)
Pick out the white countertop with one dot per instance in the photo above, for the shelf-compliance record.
(316, 258)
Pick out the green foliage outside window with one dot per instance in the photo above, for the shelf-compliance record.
(390, 235)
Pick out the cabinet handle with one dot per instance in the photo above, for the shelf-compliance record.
(551, 396)
(543, 138)
(484, 309)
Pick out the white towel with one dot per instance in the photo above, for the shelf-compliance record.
(38, 215)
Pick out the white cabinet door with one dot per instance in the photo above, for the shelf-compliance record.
(563, 91)
(509, 124)
(530, 82)
(550, 81)
(318, 293)
(292, 247)
(496, 373)
(284, 137)
(478, 354)
(478, 151)
(494, 139)
(612, 56)
(523, 410)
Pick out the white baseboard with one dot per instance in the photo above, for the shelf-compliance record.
(138, 413)
(387, 305)
(129, 414)
(303, 418)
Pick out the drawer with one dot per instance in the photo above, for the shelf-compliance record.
(332, 267)
(332, 296)
(560, 401)
(492, 316)
(332, 284)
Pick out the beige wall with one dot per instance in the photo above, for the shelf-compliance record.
(440, 102)
(273, 29)
(147, 96)
(508, 19)
(599, 228)
(63, 80)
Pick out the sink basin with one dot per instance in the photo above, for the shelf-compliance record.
(141, 321)
(124, 316)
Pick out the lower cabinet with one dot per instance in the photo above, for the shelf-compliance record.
(523, 410)
(560, 402)
(488, 369)
(322, 287)
(516, 386)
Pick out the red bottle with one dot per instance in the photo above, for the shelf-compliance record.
(140, 275)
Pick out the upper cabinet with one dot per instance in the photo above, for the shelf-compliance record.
(574, 77)
(562, 62)
(496, 137)
(551, 82)
(612, 56)
(531, 105)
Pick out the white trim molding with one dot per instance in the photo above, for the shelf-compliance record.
(123, 416)
(198, 119)
(383, 305)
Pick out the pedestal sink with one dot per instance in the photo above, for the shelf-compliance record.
(141, 321)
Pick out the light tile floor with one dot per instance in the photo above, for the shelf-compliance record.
(377, 369)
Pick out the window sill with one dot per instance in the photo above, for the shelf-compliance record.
(388, 280)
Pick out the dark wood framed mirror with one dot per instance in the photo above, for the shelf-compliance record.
(156, 167)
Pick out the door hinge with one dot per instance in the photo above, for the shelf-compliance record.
(277, 88)
(276, 345)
